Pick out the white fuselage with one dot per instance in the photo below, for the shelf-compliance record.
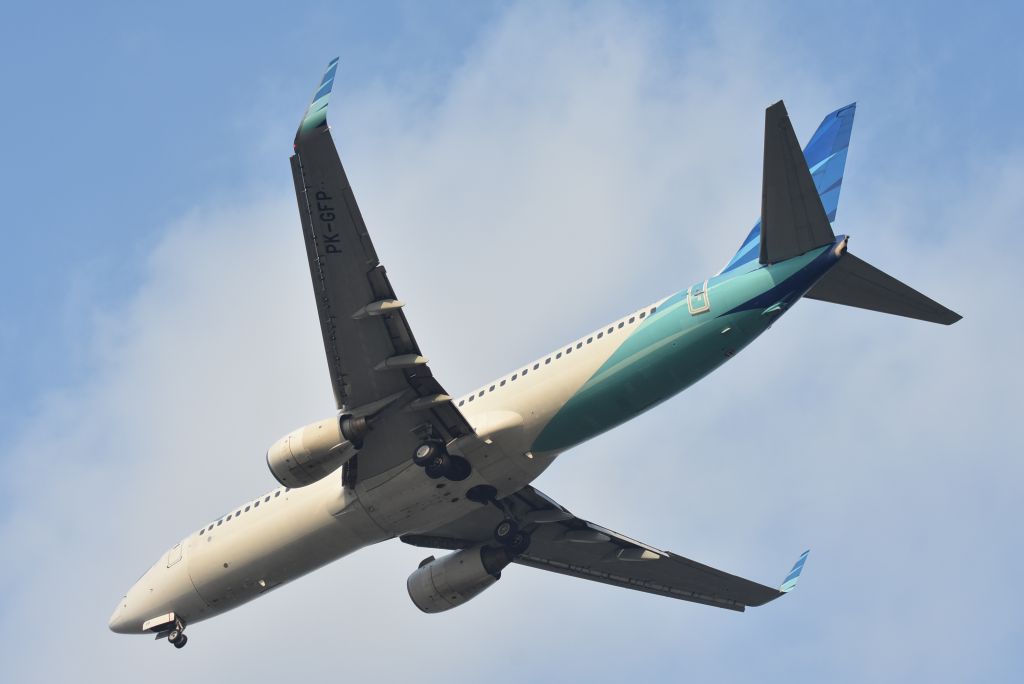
(287, 533)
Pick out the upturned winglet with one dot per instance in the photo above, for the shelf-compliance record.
(316, 113)
(789, 584)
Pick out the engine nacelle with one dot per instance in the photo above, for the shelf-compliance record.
(443, 583)
(312, 452)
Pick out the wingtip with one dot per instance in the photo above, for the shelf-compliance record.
(789, 584)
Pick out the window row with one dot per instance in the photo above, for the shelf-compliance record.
(568, 350)
(240, 511)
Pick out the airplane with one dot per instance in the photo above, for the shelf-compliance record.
(401, 458)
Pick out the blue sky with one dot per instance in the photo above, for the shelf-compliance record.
(547, 167)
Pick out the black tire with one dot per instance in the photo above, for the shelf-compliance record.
(505, 531)
(425, 453)
(519, 542)
(459, 469)
(182, 640)
(438, 466)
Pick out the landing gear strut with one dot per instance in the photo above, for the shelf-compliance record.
(435, 460)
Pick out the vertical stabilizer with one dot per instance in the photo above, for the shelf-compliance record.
(825, 154)
(793, 219)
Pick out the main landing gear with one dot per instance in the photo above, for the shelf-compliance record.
(508, 532)
(435, 460)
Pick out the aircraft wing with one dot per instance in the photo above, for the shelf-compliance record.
(372, 356)
(563, 543)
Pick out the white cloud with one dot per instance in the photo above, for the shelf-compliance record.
(577, 165)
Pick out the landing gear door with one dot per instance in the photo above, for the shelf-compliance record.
(697, 300)
(174, 555)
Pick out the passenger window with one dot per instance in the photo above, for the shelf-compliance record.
(515, 375)
(462, 402)
(569, 350)
(238, 513)
(621, 324)
(589, 340)
(536, 366)
(653, 309)
(502, 383)
(472, 398)
(247, 508)
(202, 531)
(492, 389)
(526, 370)
(642, 314)
(547, 361)
(255, 505)
(558, 356)
(219, 522)
(631, 319)
(600, 335)
(227, 518)
(277, 493)
(579, 345)
(266, 499)
(611, 330)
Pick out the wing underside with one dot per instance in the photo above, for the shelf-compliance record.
(372, 357)
(565, 544)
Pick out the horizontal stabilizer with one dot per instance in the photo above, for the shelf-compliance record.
(793, 219)
(854, 282)
(789, 584)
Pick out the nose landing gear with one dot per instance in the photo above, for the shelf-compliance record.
(177, 636)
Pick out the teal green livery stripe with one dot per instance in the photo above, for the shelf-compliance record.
(667, 353)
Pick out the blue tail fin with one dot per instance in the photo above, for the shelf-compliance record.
(826, 158)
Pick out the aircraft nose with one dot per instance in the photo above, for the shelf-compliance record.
(117, 622)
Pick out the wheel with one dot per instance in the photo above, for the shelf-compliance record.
(174, 635)
(519, 542)
(181, 641)
(439, 466)
(425, 453)
(459, 469)
(505, 531)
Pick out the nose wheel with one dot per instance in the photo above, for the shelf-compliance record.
(177, 636)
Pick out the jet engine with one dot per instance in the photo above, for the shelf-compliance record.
(312, 452)
(443, 583)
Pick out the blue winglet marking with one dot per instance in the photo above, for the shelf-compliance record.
(316, 113)
(789, 584)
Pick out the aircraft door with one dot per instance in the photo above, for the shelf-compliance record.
(174, 555)
(697, 300)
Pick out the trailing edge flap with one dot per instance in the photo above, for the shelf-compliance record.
(793, 220)
(854, 282)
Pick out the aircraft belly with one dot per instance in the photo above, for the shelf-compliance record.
(309, 528)
(404, 500)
